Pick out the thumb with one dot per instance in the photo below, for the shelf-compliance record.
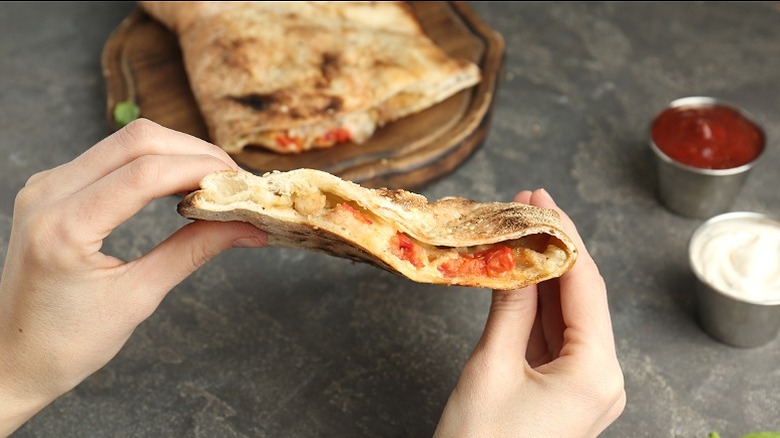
(188, 249)
(509, 322)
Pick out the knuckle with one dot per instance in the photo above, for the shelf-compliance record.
(139, 311)
(38, 238)
(27, 197)
(613, 390)
(142, 171)
(153, 138)
(37, 178)
(48, 236)
(591, 266)
(620, 404)
(141, 133)
(609, 390)
(33, 191)
(141, 129)
(512, 300)
(200, 254)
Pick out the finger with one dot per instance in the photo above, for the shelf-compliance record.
(524, 197)
(551, 317)
(585, 305)
(546, 337)
(509, 322)
(537, 352)
(180, 255)
(541, 198)
(96, 210)
(139, 138)
(583, 294)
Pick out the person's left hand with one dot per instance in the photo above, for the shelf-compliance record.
(66, 308)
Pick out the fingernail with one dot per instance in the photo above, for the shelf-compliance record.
(546, 194)
(523, 194)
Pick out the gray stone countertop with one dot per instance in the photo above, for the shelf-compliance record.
(271, 342)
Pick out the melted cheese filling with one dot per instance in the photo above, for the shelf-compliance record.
(534, 255)
(359, 125)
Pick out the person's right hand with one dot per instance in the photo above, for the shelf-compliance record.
(546, 364)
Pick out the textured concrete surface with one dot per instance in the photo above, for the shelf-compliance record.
(286, 343)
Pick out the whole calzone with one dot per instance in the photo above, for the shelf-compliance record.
(453, 241)
(292, 76)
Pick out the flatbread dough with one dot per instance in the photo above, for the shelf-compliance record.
(453, 241)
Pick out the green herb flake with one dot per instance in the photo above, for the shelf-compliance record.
(750, 435)
(125, 112)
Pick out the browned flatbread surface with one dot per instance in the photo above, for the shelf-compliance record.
(453, 241)
(292, 76)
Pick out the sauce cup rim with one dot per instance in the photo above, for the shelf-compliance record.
(705, 101)
(723, 217)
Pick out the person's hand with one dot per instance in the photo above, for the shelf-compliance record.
(66, 309)
(546, 364)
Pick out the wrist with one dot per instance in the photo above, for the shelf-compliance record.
(16, 407)
(20, 396)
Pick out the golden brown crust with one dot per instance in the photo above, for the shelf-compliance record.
(271, 202)
(262, 68)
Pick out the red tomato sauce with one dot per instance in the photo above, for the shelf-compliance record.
(707, 137)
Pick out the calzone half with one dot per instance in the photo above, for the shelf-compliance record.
(453, 241)
(292, 76)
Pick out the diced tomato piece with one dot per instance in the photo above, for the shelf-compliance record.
(338, 135)
(335, 135)
(497, 260)
(288, 142)
(358, 215)
(465, 265)
(403, 247)
(491, 262)
(341, 134)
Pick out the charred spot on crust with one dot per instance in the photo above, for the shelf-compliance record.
(407, 200)
(256, 101)
(496, 220)
(236, 52)
(393, 194)
(383, 63)
(334, 104)
(329, 65)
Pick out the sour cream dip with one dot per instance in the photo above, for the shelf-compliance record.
(739, 255)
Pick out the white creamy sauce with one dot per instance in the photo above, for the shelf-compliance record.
(740, 256)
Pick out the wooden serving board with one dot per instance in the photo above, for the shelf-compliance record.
(142, 62)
